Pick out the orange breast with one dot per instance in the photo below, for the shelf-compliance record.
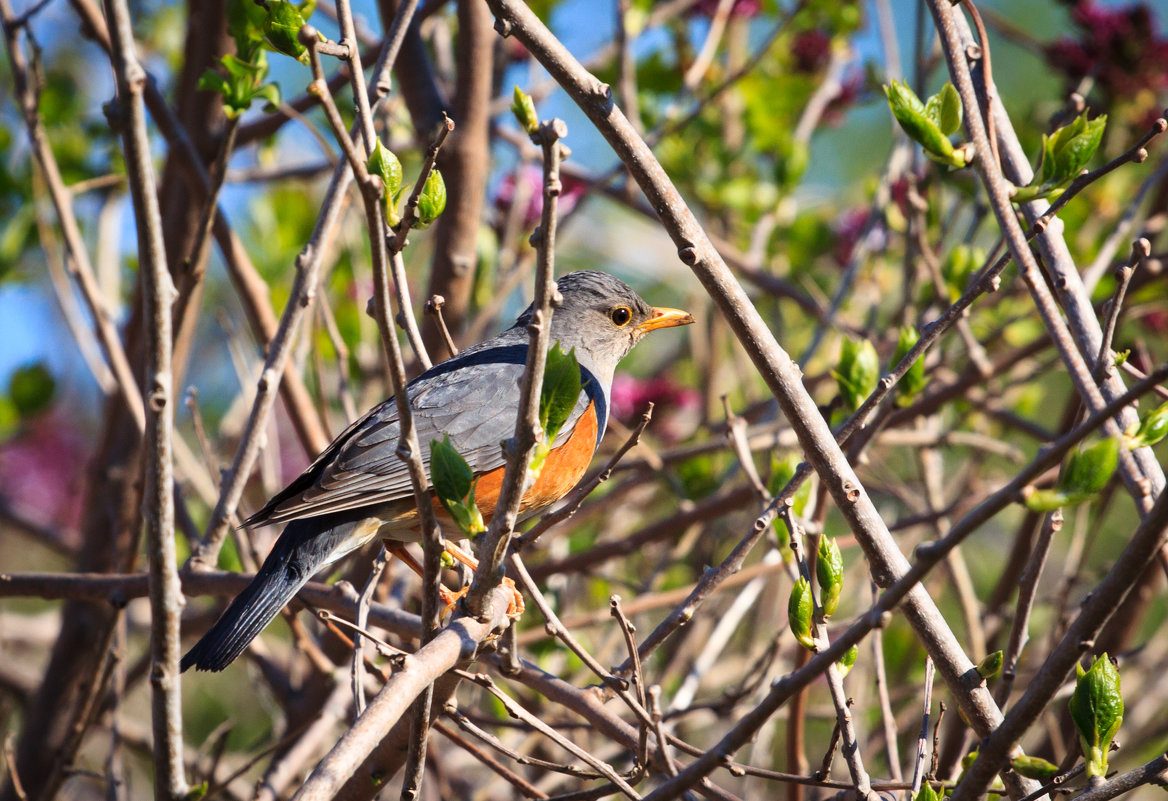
(562, 470)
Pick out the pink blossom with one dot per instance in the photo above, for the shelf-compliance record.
(741, 8)
(532, 177)
(631, 396)
(42, 470)
(1117, 46)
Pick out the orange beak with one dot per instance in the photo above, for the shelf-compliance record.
(665, 318)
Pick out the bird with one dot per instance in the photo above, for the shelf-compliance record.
(358, 489)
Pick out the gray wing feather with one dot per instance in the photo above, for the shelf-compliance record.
(472, 398)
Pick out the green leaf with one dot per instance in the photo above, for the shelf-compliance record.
(245, 24)
(800, 607)
(1067, 150)
(1032, 767)
(913, 381)
(991, 665)
(454, 484)
(432, 200)
(848, 661)
(829, 572)
(856, 372)
(1096, 707)
(385, 165)
(211, 81)
(282, 29)
(270, 94)
(926, 793)
(449, 472)
(1064, 154)
(31, 389)
(560, 391)
(523, 107)
(950, 115)
(242, 84)
(1089, 470)
(1152, 428)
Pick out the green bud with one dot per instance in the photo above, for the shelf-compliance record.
(523, 107)
(848, 660)
(432, 201)
(923, 122)
(1096, 708)
(446, 560)
(991, 665)
(913, 381)
(800, 608)
(197, 793)
(1044, 500)
(282, 29)
(1032, 767)
(1089, 470)
(1149, 430)
(829, 571)
(384, 164)
(856, 372)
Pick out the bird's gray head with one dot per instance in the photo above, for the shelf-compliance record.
(603, 317)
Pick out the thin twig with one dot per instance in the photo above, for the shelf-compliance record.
(434, 307)
(357, 670)
(1141, 248)
(919, 772)
(628, 631)
(517, 711)
(1027, 591)
(887, 718)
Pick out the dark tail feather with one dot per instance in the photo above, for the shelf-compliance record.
(248, 615)
(303, 547)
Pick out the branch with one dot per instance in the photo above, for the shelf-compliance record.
(519, 448)
(166, 600)
(456, 642)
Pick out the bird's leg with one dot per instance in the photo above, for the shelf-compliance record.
(449, 597)
(515, 608)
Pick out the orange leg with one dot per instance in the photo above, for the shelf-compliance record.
(449, 597)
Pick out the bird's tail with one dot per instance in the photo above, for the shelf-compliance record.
(302, 549)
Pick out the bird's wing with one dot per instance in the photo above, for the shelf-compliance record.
(472, 397)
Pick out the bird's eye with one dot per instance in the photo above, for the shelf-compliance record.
(620, 316)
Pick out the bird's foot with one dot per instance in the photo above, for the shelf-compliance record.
(515, 607)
